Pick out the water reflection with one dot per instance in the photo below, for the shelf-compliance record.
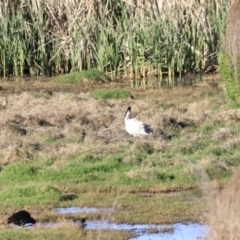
(179, 231)
(143, 231)
(82, 209)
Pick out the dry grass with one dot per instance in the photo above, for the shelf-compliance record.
(30, 123)
(35, 125)
(225, 213)
(223, 134)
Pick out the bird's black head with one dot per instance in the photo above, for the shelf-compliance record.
(129, 108)
(9, 220)
(83, 220)
(80, 222)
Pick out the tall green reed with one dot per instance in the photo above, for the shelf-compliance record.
(52, 37)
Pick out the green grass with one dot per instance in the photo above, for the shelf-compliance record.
(63, 232)
(30, 195)
(143, 167)
(115, 93)
(229, 76)
(99, 171)
(91, 76)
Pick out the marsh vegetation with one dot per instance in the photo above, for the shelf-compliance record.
(70, 149)
(229, 54)
(140, 39)
(62, 139)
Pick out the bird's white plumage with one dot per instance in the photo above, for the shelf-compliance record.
(136, 127)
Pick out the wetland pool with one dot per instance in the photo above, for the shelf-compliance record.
(177, 231)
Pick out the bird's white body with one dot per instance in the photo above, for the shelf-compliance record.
(136, 127)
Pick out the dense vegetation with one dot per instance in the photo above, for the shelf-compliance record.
(47, 37)
(229, 54)
(53, 144)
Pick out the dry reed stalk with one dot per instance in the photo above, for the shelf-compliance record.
(232, 43)
(225, 215)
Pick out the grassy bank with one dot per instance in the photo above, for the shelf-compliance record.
(40, 37)
(62, 232)
(71, 149)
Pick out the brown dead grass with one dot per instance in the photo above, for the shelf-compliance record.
(30, 122)
(223, 134)
(229, 115)
(225, 214)
(146, 170)
(69, 123)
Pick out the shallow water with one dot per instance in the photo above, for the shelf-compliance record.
(178, 231)
(143, 231)
(81, 209)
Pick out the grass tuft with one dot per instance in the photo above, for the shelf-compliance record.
(115, 93)
(92, 75)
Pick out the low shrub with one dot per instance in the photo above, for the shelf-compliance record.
(92, 75)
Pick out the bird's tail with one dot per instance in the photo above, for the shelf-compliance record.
(148, 129)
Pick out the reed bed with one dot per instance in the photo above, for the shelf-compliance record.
(128, 38)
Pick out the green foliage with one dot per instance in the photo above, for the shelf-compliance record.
(115, 93)
(20, 172)
(82, 168)
(30, 195)
(119, 38)
(210, 127)
(218, 172)
(24, 233)
(232, 88)
(92, 75)
(165, 176)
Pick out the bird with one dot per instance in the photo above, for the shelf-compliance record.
(21, 218)
(136, 127)
(81, 223)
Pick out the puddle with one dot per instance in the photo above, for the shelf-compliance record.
(66, 210)
(145, 232)
(178, 231)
